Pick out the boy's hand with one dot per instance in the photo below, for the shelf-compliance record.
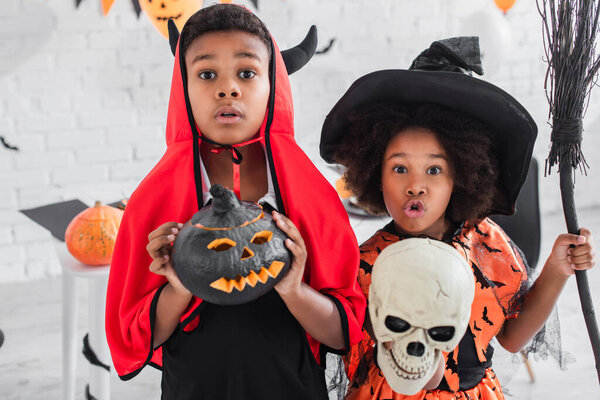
(160, 245)
(565, 259)
(291, 283)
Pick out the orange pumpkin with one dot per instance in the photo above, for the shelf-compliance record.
(342, 189)
(90, 236)
(160, 11)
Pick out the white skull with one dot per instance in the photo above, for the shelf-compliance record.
(419, 303)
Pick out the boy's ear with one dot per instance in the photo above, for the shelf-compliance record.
(173, 35)
(297, 57)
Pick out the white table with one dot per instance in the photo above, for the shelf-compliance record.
(97, 277)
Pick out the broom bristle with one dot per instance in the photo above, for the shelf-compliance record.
(570, 28)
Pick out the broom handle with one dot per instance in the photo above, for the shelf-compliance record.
(585, 296)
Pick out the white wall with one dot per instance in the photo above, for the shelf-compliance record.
(85, 96)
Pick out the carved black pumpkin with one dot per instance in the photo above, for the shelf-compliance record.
(230, 252)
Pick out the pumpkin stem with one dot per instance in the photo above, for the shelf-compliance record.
(98, 204)
(223, 199)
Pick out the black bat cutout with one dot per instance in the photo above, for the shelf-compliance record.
(490, 249)
(326, 48)
(365, 266)
(485, 318)
(480, 232)
(451, 364)
(7, 145)
(479, 278)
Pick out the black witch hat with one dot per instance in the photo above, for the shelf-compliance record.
(442, 75)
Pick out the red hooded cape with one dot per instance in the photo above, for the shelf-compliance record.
(168, 193)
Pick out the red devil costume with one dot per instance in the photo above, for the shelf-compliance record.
(254, 350)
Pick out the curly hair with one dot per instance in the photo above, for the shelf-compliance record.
(223, 17)
(466, 140)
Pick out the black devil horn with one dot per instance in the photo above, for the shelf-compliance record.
(296, 57)
(223, 199)
(173, 35)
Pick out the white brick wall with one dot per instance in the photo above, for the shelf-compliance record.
(85, 96)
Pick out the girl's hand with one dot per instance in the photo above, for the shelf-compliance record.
(292, 282)
(565, 260)
(160, 245)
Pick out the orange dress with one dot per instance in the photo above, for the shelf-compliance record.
(500, 280)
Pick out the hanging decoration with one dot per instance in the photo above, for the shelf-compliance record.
(504, 5)
(160, 11)
(136, 7)
(107, 5)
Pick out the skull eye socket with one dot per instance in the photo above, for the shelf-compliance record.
(441, 333)
(262, 237)
(221, 244)
(396, 324)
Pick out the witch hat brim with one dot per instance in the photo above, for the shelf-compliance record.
(513, 128)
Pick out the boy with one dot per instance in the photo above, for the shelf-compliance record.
(230, 90)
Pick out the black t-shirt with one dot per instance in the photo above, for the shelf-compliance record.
(251, 351)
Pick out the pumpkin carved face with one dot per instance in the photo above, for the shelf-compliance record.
(230, 252)
(160, 11)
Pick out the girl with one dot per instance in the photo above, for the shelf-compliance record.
(231, 99)
(440, 151)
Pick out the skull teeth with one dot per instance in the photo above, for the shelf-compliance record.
(405, 371)
(239, 282)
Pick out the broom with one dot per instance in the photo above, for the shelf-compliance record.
(569, 30)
